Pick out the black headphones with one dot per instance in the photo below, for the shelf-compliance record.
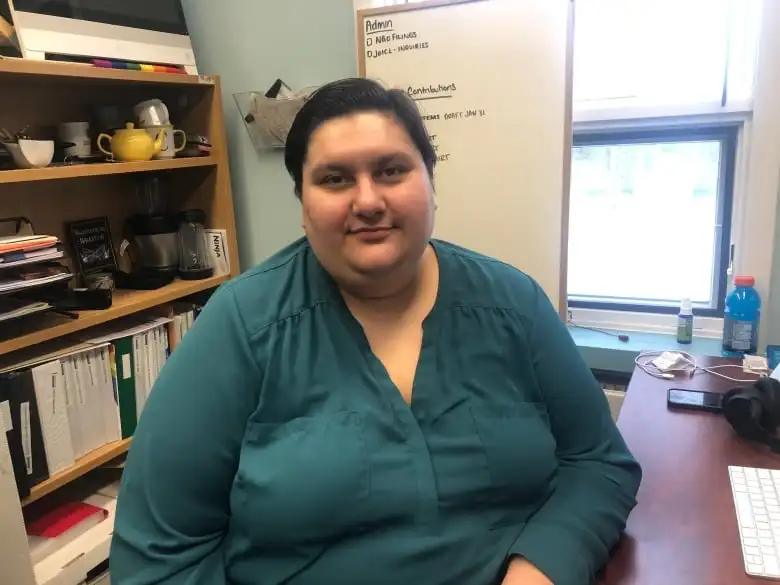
(754, 411)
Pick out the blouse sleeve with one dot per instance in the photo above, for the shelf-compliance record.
(570, 536)
(173, 509)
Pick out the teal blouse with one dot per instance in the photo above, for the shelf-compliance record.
(274, 449)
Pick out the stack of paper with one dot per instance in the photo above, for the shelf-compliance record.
(11, 309)
(8, 285)
(72, 563)
(21, 253)
(61, 526)
(19, 244)
(14, 259)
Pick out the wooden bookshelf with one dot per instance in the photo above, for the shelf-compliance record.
(40, 95)
(126, 302)
(82, 466)
(102, 169)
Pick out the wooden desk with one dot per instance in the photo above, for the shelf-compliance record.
(684, 529)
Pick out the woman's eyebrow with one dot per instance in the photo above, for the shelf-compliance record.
(388, 158)
(379, 161)
(331, 167)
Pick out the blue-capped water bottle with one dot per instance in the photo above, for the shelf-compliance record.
(741, 317)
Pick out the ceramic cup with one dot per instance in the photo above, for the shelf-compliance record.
(78, 134)
(169, 148)
(152, 113)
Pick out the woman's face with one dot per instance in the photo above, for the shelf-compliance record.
(368, 202)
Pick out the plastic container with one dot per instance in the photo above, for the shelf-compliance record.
(194, 255)
(741, 318)
(685, 322)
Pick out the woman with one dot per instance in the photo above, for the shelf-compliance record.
(370, 406)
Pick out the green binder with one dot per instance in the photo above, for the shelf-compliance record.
(122, 354)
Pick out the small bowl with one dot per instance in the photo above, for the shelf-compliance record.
(31, 154)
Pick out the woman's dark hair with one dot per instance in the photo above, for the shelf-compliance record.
(350, 96)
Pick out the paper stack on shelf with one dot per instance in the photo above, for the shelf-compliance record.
(60, 527)
(72, 563)
(14, 259)
(16, 284)
(24, 262)
(31, 276)
(26, 243)
(11, 309)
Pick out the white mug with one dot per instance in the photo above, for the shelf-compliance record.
(169, 148)
(78, 134)
(152, 113)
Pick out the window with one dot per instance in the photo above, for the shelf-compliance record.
(650, 219)
(657, 124)
(666, 55)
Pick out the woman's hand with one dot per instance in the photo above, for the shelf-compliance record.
(521, 572)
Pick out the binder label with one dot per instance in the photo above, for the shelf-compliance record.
(79, 384)
(5, 416)
(54, 394)
(105, 369)
(126, 367)
(68, 390)
(26, 436)
(90, 370)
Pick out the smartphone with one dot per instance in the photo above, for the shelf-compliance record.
(695, 400)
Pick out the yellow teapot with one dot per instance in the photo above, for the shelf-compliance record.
(132, 144)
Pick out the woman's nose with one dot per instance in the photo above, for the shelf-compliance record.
(368, 200)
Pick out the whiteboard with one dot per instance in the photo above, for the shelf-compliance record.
(493, 80)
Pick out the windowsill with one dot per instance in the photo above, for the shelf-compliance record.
(608, 353)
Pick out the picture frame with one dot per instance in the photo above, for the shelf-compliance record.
(92, 245)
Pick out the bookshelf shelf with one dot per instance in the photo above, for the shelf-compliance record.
(83, 466)
(54, 72)
(102, 169)
(125, 303)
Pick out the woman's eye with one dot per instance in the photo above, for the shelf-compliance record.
(333, 181)
(393, 172)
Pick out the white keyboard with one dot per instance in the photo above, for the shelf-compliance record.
(757, 500)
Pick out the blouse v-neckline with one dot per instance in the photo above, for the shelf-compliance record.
(426, 360)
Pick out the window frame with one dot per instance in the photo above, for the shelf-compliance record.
(727, 134)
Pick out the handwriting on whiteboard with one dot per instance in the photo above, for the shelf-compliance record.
(374, 26)
(383, 40)
(376, 53)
